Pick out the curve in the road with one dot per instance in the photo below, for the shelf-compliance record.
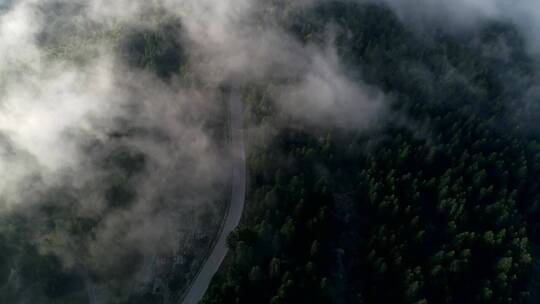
(236, 207)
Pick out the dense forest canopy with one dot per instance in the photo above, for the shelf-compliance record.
(393, 150)
(438, 205)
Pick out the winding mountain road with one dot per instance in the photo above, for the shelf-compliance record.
(234, 213)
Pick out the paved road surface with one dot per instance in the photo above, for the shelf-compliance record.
(234, 213)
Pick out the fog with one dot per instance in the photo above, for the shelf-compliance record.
(142, 153)
(80, 115)
(465, 15)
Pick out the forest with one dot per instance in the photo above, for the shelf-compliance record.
(436, 201)
(436, 206)
(35, 238)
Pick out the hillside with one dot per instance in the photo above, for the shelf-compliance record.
(392, 151)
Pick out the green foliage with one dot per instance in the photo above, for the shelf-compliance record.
(157, 50)
(433, 213)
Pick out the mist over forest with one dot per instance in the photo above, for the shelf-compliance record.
(393, 150)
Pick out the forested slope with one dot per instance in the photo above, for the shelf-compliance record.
(36, 237)
(435, 205)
